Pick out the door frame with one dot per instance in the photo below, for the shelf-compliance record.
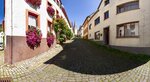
(106, 37)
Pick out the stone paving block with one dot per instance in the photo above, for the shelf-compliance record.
(34, 70)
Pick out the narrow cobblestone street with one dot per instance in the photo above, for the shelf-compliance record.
(1, 57)
(77, 61)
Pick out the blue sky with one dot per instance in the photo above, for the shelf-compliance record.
(1, 10)
(78, 10)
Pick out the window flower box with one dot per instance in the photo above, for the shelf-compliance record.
(33, 37)
(36, 3)
(57, 16)
(50, 39)
(51, 11)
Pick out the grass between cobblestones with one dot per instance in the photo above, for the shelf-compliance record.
(137, 57)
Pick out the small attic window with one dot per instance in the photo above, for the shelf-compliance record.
(49, 4)
(106, 2)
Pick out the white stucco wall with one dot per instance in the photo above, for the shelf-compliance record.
(80, 32)
(76, 31)
(19, 16)
(94, 28)
(142, 15)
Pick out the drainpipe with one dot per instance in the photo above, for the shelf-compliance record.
(11, 37)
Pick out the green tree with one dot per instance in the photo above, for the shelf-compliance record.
(69, 34)
(1, 29)
(62, 30)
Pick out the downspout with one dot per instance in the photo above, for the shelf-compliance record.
(11, 37)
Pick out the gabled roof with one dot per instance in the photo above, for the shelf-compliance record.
(85, 20)
(64, 11)
(96, 10)
(88, 17)
(100, 4)
(80, 28)
(91, 15)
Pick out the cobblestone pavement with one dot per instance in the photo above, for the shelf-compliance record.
(35, 70)
(1, 57)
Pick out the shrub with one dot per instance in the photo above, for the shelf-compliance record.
(62, 30)
(33, 36)
(62, 38)
(69, 34)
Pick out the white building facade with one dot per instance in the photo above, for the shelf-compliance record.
(123, 23)
(80, 32)
(19, 15)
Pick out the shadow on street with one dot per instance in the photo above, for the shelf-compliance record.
(83, 57)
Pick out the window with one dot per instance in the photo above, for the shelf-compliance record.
(128, 6)
(106, 2)
(97, 21)
(57, 14)
(90, 26)
(106, 15)
(49, 4)
(50, 9)
(32, 20)
(128, 30)
(97, 35)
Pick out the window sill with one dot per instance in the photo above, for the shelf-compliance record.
(128, 11)
(106, 19)
(97, 24)
(106, 5)
(128, 37)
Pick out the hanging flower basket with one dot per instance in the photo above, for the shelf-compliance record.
(51, 11)
(34, 2)
(57, 1)
(33, 37)
(57, 16)
(50, 39)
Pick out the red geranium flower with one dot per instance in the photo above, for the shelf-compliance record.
(34, 2)
(33, 37)
(51, 11)
(50, 39)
